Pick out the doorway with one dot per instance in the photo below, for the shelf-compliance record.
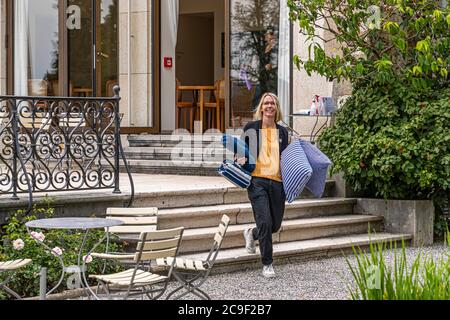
(192, 36)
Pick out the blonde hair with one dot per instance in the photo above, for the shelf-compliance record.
(258, 116)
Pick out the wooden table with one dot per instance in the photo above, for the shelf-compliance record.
(84, 91)
(201, 90)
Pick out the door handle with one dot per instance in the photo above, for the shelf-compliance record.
(102, 55)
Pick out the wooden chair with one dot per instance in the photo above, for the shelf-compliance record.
(193, 273)
(184, 107)
(110, 86)
(136, 220)
(153, 245)
(11, 267)
(217, 98)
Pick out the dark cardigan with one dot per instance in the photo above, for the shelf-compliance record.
(252, 134)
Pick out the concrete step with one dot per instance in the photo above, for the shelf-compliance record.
(222, 193)
(200, 239)
(229, 260)
(173, 140)
(209, 216)
(207, 154)
(173, 167)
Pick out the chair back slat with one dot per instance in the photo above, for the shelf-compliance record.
(220, 234)
(136, 220)
(222, 229)
(162, 234)
(158, 245)
(152, 255)
(218, 238)
(132, 229)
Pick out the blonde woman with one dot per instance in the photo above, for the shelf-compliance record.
(266, 194)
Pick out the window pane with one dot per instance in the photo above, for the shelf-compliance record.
(36, 47)
(80, 50)
(108, 47)
(254, 31)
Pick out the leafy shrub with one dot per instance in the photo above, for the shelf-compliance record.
(391, 137)
(26, 280)
(426, 279)
(391, 144)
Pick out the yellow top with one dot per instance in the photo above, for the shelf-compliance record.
(268, 162)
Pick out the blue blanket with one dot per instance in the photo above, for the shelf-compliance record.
(240, 148)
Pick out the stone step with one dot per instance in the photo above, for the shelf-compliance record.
(229, 260)
(173, 140)
(209, 216)
(207, 154)
(173, 167)
(223, 193)
(200, 239)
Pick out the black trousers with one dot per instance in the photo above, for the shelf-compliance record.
(268, 200)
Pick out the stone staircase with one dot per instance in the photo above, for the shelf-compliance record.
(175, 154)
(311, 227)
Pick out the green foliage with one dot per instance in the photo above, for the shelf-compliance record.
(391, 144)
(26, 280)
(382, 40)
(425, 279)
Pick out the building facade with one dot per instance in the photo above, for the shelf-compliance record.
(85, 47)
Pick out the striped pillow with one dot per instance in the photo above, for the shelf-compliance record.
(295, 170)
(319, 163)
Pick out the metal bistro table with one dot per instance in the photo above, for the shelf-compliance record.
(84, 224)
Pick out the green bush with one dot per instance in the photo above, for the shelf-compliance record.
(26, 280)
(425, 279)
(392, 143)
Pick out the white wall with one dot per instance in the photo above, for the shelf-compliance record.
(135, 63)
(167, 75)
(2, 47)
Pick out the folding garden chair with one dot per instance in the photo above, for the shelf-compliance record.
(136, 220)
(161, 244)
(193, 273)
(11, 267)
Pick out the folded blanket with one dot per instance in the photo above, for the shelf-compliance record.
(240, 148)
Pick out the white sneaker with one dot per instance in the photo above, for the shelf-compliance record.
(249, 242)
(268, 271)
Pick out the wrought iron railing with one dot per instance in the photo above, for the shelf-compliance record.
(60, 144)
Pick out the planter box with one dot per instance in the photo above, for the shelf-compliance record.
(415, 217)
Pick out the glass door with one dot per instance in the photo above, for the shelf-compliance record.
(253, 67)
(92, 48)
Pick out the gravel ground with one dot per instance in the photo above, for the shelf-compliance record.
(317, 279)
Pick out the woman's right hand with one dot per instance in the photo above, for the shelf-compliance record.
(240, 161)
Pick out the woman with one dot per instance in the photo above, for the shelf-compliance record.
(266, 192)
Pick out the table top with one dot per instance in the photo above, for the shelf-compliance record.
(73, 223)
(196, 87)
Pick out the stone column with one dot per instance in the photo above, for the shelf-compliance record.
(3, 66)
(135, 56)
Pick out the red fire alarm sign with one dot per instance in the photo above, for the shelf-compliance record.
(168, 62)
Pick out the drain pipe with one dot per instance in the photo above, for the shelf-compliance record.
(129, 63)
